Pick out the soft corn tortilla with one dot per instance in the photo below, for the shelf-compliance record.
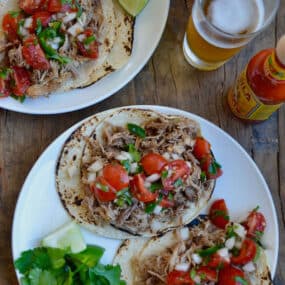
(133, 251)
(72, 190)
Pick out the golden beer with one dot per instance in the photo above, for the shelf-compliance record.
(218, 29)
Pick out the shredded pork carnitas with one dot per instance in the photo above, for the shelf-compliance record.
(173, 139)
(153, 270)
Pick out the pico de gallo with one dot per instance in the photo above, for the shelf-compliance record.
(43, 39)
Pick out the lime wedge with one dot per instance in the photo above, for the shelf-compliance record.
(68, 236)
(133, 7)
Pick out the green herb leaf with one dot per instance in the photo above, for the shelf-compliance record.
(136, 130)
(79, 9)
(230, 232)
(203, 176)
(193, 273)
(149, 208)
(256, 209)
(89, 40)
(164, 174)
(155, 186)
(124, 196)
(220, 213)
(39, 27)
(14, 14)
(21, 99)
(178, 183)
(127, 165)
(4, 73)
(209, 251)
(170, 196)
(241, 280)
(134, 153)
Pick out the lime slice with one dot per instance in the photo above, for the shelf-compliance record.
(133, 7)
(69, 236)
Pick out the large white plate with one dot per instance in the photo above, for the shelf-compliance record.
(148, 31)
(39, 210)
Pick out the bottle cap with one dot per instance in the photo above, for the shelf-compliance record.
(280, 50)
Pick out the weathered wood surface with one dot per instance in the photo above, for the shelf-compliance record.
(166, 80)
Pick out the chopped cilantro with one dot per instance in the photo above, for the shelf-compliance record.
(39, 27)
(230, 232)
(220, 213)
(89, 40)
(170, 196)
(235, 251)
(79, 9)
(258, 252)
(256, 209)
(102, 187)
(136, 130)
(4, 73)
(241, 280)
(124, 197)
(164, 174)
(139, 169)
(134, 153)
(178, 183)
(155, 186)
(193, 273)
(21, 99)
(203, 176)
(149, 208)
(14, 14)
(209, 251)
(127, 165)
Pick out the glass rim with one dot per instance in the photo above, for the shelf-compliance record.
(244, 36)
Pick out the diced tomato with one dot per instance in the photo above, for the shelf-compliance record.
(201, 148)
(217, 261)
(153, 163)
(44, 17)
(230, 276)
(179, 278)
(219, 214)
(209, 166)
(102, 190)
(56, 6)
(90, 50)
(10, 25)
(166, 203)
(4, 88)
(32, 6)
(178, 169)
(255, 224)
(20, 80)
(246, 254)
(140, 191)
(207, 274)
(116, 176)
(34, 55)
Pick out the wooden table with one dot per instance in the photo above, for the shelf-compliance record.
(166, 80)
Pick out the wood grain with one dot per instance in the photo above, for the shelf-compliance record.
(166, 80)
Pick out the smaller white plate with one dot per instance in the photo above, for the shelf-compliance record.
(39, 210)
(149, 27)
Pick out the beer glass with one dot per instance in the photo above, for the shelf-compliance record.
(218, 29)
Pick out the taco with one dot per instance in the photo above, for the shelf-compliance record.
(199, 254)
(51, 46)
(142, 173)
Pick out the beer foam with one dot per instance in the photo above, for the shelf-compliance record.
(235, 16)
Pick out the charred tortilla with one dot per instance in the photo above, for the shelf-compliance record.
(104, 143)
(149, 261)
(112, 30)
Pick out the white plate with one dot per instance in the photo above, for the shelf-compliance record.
(39, 210)
(148, 31)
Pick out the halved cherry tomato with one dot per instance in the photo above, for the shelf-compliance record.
(219, 214)
(176, 277)
(246, 254)
(102, 190)
(178, 169)
(166, 203)
(206, 164)
(230, 276)
(153, 163)
(255, 223)
(44, 17)
(10, 25)
(32, 6)
(89, 50)
(116, 176)
(216, 261)
(207, 274)
(34, 55)
(21, 80)
(4, 88)
(201, 148)
(56, 6)
(140, 191)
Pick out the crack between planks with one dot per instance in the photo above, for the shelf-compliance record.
(155, 81)
(174, 82)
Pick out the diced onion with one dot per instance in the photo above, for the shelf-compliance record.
(179, 148)
(197, 279)
(91, 177)
(69, 17)
(166, 155)
(81, 37)
(82, 19)
(95, 166)
(157, 210)
(182, 266)
(152, 178)
(239, 230)
(249, 267)
(147, 184)
(134, 167)
(223, 252)
(124, 156)
(184, 233)
(196, 258)
(28, 23)
(22, 31)
(75, 29)
(230, 243)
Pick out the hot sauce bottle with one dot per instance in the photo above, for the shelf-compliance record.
(260, 88)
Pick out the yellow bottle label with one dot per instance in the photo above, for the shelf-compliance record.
(245, 104)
